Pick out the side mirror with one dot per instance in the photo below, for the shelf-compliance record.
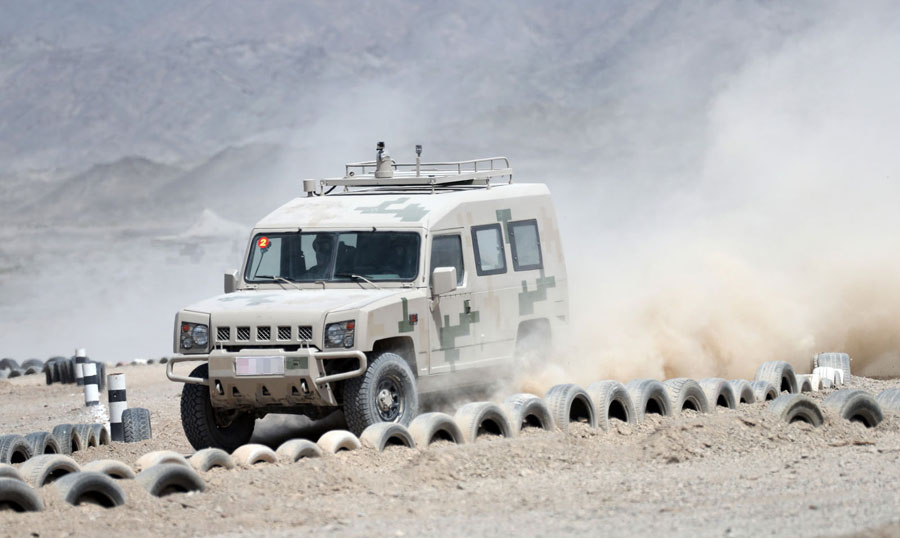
(443, 280)
(231, 281)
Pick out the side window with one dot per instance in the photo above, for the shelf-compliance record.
(446, 251)
(526, 245)
(490, 258)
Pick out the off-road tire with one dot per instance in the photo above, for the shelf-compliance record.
(430, 427)
(797, 408)
(524, 410)
(115, 469)
(14, 449)
(570, 403)
(387, 372)
(780, 374)
(383, 434)
(643, 393)
(198, 418)
(90, 487)
(743, 391)
(136, 425)
(855, 406)
(684, 392)
(43, 443)
(41, 470)
(19, 496)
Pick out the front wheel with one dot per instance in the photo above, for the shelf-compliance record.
(385, 393)
(206, 426)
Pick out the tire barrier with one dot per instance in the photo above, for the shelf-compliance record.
(838, 361)
(159, 457)
(805, 383)
(14, 449)
(430, 427)
(889, 400)
(828, 377)
(527, 410)
(41, 470)
(8, 471)
(114, 469)
(80, 358)
(90, 487)
(793, 408)
(68, 438)
(685, 394)
(648, 396)
(8, 364)
(209, 458)
(719, 393)
(91, 384)
(480, 418)
(253, 453)
(43, 443)
(743, 392)
(136, 425)
(855, 406)
(780, 374)
(568, 403)
(384, 434)
(118, 402)
(167, 478)
(297, 449)
(611, 401)
(763, 391)
(19, 496)
(336, 440)
(88, 435)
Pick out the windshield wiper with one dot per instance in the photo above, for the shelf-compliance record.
(358, 277)
(281, 279)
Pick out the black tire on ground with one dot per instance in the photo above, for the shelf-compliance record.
(479, 418)
(9, 364)
(763, 391)
(136, 425)
(68, 371)
(855, 406)
(384, 434)
(718, 393)
(611, 401)
(430, 427)
(18, 496)
(889, 400)
(841, 361)
(16, 372)
(649, 396)
(797, 408)
(385, 393)
(48, 373)
(14, 449)
(167, 478)
(684, 394)
(88, 435)
(41, 470)
(68, 438)
(101, 375)
(115, 469)
(101, 433)
(43, 443)
(570, 403)
(200, 423)
(743, 391)
(90, 487)
(780, 374)
(527, 410)
(32, 370)
(33, 363)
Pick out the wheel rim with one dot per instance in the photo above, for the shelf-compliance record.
(389, 399)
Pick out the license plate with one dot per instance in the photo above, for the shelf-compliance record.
(259, 366)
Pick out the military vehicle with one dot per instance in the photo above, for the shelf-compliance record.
(394, 281)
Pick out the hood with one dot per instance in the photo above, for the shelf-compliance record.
(307, 302)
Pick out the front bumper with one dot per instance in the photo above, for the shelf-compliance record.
(303, 381)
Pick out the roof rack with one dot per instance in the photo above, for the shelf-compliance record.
(385, 172)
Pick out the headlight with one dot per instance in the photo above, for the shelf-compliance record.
(194, 336)
(339, 334)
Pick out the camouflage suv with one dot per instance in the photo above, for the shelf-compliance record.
(394, 281)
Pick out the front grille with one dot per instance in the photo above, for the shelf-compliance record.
(284, 333)
(304, 333)
(264, 334)
(223, 334)
(243, 334)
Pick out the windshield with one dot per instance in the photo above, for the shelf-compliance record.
(334, 257)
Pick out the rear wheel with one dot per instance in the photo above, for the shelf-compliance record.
(206, 426)
(385, 393)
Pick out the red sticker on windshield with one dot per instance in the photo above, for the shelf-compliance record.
(263, 242)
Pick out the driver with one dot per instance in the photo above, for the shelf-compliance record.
(322, 245)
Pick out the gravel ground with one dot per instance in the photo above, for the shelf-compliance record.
(732, 473)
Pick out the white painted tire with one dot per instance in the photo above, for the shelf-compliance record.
(570, 403)
(718, 393)
(649, 396)
(780, 374)
(297, 449)
(383, 434)
(763, 391)
(336, 440)
(839, 361)
(430, 427)
(45, 468)
(158, 457)
(684, 394)
(114, 469)
(527, 410)
(611, 401)
(166, 478)
(252, 454)
(210, 458)
(478, 418)
(743, 391)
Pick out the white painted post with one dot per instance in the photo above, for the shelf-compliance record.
(118, 403)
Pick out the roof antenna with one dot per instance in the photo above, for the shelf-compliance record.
(418, 158)
(383, 162)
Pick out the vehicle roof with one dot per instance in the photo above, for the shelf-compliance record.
(390, 207)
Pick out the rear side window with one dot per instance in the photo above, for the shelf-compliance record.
(526, 245)
(446, 251)
(490, 257)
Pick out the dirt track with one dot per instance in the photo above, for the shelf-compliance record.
(735, 473)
